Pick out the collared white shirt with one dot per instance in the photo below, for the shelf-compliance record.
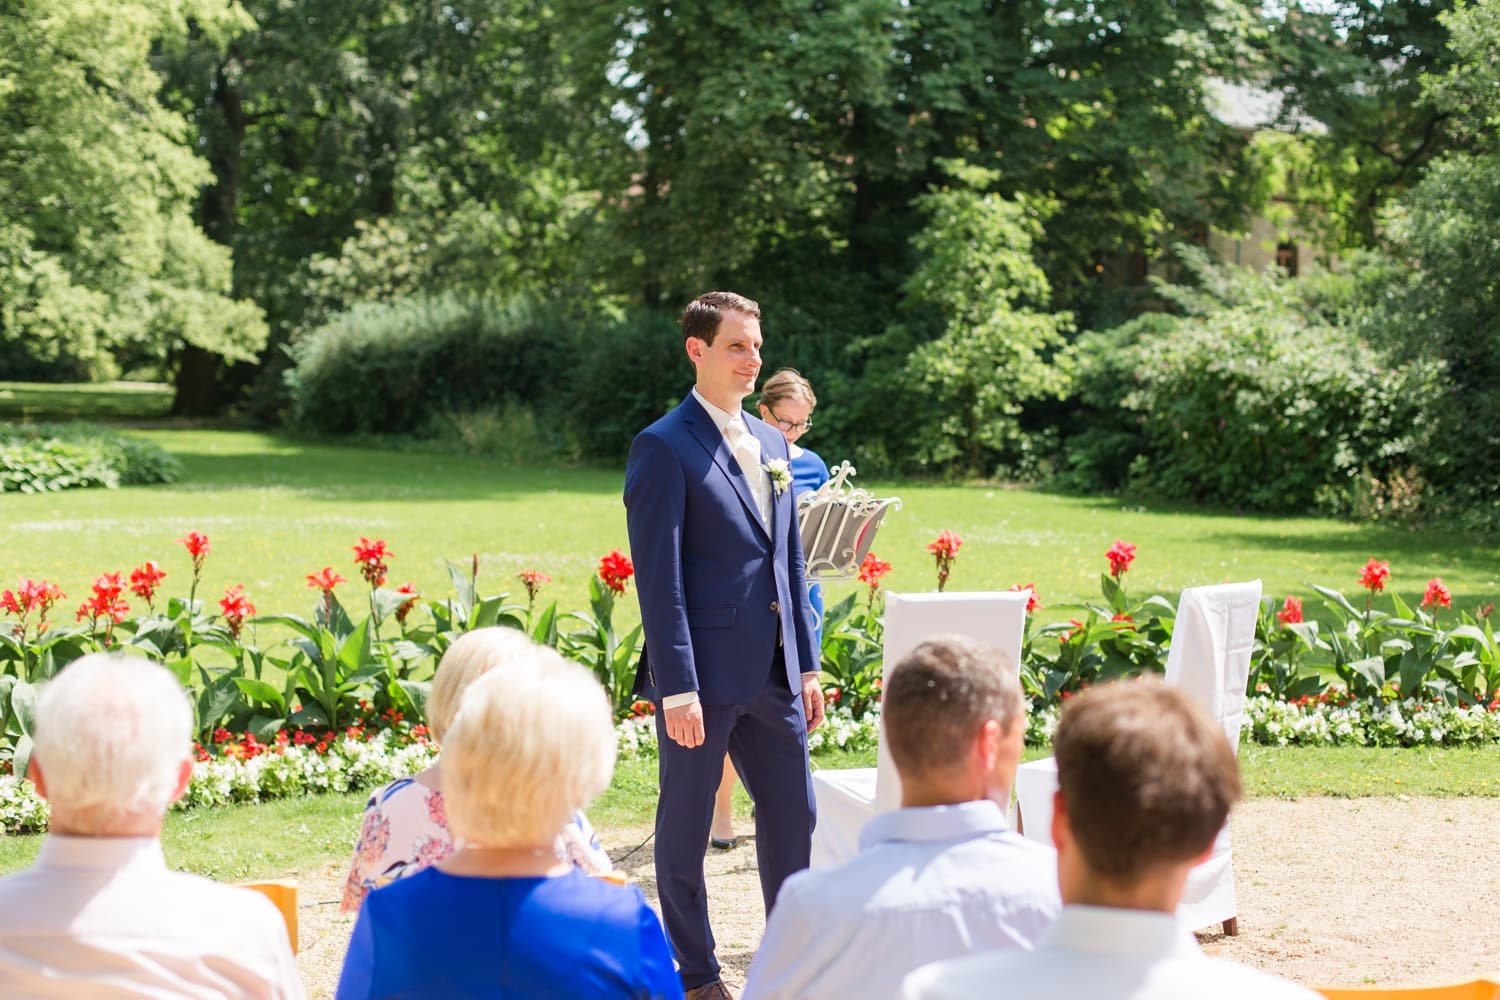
(759, 485)
(746, 450)
(104, 917)
(927, 883)
(1108, 954)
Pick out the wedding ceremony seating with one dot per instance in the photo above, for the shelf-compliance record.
(848, 798)
(1478, 989)
(1210, 659)
(282, 892)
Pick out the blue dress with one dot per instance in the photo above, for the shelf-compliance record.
(808, 473)
(438, 935)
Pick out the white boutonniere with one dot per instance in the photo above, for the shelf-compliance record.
(780, 473)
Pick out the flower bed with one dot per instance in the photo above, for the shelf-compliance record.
(348, 714)
(245, 770)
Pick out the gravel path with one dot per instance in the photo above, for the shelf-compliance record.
(1331, 891)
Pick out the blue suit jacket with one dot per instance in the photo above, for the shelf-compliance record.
(718, 590)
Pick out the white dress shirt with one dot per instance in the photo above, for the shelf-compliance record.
(104, 917)
(1103, 953)
(927, 884)
(745, 448)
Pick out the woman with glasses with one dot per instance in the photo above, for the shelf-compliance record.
(786, 403)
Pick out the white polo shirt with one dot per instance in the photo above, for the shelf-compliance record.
(1104, 954)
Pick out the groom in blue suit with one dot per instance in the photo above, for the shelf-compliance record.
(729, 658)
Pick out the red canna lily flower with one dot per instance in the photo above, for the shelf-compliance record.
(944, 550)
(615, 570)
(1291, 611)
(236, 608)
(371, 558)
(325, 580)
(1120, 555)
(197, 546)
(872, 569)
(144, 580)
(1033, 603)
(1437, 595)
(533, 580)
(1374, 575)
(405, 608)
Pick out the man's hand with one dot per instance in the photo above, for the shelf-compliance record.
(812, 702)
(685, 723)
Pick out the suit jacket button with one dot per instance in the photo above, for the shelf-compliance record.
(775, 607)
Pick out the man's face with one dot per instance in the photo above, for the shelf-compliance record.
(728, 368)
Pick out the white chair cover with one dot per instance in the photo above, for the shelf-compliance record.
(847, 798)
(1210, 657)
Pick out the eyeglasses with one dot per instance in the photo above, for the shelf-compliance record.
(790, 427)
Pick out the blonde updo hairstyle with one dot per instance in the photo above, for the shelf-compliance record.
(530, 746)
(787, 383)
(471, 656)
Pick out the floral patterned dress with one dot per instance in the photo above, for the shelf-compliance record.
(405, 829)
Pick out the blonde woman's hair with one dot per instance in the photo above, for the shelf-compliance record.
(471, 656)
(787, 383)
(530, 746)
(112, 733)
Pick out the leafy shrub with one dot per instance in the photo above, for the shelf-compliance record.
(44, 458)
(629, 373)
(1250, 399)
(397, 367)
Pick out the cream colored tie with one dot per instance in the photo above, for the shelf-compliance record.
(746, 451)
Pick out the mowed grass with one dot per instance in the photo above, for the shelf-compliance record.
(295, 836)
(104, 401)
(277, 508)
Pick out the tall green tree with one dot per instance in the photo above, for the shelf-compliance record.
(101, 262)
(1441, 296)
(1351, 73)
(799, 132)
(338, 129)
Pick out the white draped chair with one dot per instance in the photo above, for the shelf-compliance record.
(848, 798)
(1210, 658)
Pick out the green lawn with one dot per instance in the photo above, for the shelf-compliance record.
(302, 835)
(105, 401)
(277, 508)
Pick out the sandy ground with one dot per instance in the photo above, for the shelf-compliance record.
(1331, 892)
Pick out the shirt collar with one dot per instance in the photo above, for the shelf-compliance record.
(721, 418)
(928, 824)
(1111, 930)
(65, 853)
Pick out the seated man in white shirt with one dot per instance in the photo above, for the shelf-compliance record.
(1146, 779)
(939, 877)
(100, 914)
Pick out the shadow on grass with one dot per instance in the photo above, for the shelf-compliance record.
(322, 471)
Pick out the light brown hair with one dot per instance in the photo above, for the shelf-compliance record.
(1147, 777)
(701, 317)
(940, 695)
(787, 383)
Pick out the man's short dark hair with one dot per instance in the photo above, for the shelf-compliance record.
(1147, 777)
(939, 696)
(701, 317)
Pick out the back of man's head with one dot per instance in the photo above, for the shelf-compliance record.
(1147, 778)
(112, 733)
(938, 698)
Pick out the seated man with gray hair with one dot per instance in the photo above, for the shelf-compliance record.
(1145, 781)
(100, 914)
(940, 877)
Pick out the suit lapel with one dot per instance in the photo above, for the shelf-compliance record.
(702, 427)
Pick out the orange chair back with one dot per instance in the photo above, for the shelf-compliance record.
(282, 892)
(1479, 989)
